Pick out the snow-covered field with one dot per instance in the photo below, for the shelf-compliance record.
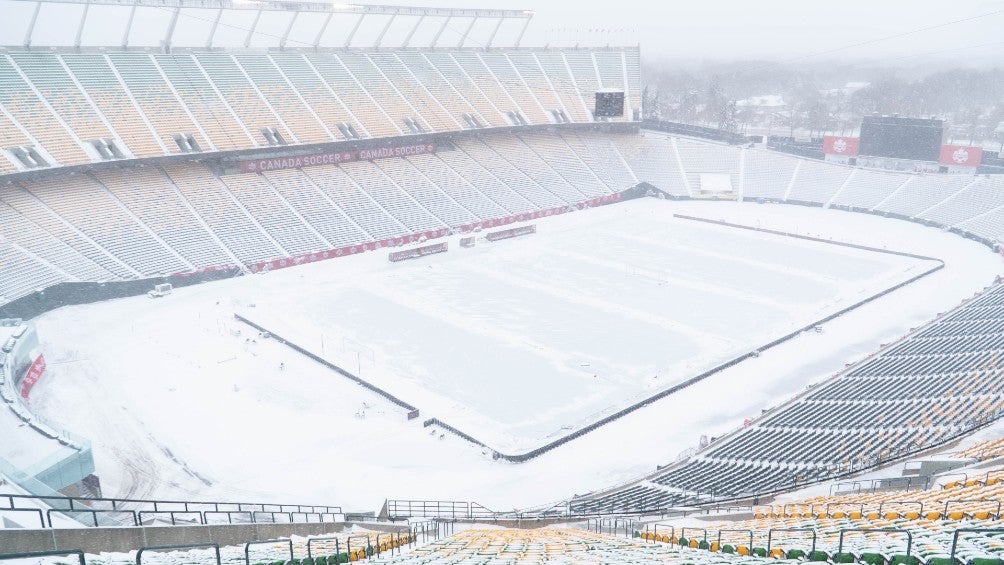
(511, 341)
(516, 342)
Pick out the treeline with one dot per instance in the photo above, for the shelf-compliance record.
(820, 98)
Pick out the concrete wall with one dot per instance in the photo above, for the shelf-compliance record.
(97, 540)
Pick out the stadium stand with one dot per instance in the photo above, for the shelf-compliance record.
(78, 108)
(768, 175)
(550, 545)
(158, 103)
(183, 217)
(935, 384)
(697, 158)
(922, 193)
(817, 182)
(988, 449)
(863, 527)
(654, 160)
(234, 227)
(869, 189)
(983, 194)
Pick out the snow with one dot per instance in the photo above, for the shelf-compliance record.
(592, 314)
(181, 400)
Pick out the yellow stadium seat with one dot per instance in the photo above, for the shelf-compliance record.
(891, 515)
(956, 515)
(855, 515)
(933, 515)
(912, 515)
(777, 553)
(743, 550)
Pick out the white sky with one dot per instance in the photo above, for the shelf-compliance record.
(729, 29)
(693, 31)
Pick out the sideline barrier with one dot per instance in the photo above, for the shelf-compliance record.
(511, 233)
(396, 256)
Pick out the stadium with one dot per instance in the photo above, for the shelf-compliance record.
(461, 300)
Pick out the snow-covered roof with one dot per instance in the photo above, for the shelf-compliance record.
(765, 101)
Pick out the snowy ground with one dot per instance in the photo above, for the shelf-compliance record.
(178, 403)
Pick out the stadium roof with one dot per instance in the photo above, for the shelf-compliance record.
(252, 24)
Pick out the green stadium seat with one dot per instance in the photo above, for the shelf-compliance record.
(795, 554)
(872, 559)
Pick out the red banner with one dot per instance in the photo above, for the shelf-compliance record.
(960, 156)
(420, 237)
(31, 377)
(834, 145)
(537, 214)
(334, 157)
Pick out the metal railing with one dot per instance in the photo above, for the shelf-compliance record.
(447, 509)
(140, 509)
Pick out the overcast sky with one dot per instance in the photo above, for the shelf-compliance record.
(729, 29)
(674, 30)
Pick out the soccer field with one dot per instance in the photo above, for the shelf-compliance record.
(518, 341)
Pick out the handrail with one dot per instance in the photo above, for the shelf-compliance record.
(683, 532)
(672, 529)
(172, 513)
(959, 532)
(310, 550)
(41, 516)
(88, 502)
(247, 547)
(750, 532)
(909, 536)
(784, 508)
(997, 513)
(139, 554)
(770, 535)
(93, 513)
(77, 552)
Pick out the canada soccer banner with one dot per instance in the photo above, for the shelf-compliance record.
(31, 377)
(334, 157)
(833, 145)
(960, 156)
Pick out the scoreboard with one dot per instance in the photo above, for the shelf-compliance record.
(609, 104)
(901, 138)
